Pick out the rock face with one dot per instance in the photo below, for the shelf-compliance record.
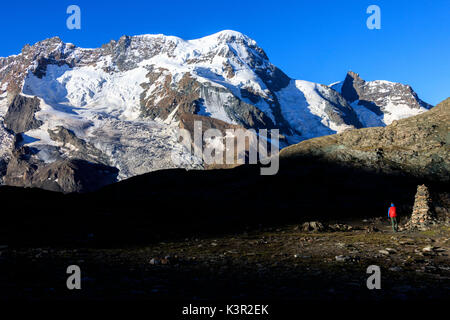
(119, 105)
(417, 146)
(79, 148)
(20, 116)
(6, 143)
(422, 216)
(3, 168)
(379, 102)
(74, 175)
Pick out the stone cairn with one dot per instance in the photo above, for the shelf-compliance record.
(422, 216)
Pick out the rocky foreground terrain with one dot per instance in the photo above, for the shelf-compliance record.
(286, 263)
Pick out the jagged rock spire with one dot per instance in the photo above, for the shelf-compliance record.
(350, 86)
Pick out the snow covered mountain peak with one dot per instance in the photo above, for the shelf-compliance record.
(118, 105)
(380, 102)
(227, 36)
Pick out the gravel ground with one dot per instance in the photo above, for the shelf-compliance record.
(282, 264)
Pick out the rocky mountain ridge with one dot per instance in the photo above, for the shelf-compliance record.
(418, 146)
(379, 102)
(119, 105)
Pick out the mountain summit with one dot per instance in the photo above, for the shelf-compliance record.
(118, 105)
(379, 102)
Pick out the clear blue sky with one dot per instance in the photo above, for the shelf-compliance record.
(310, 40)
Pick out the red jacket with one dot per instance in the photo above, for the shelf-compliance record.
(392, 212)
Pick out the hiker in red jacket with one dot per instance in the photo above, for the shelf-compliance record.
(392, 213)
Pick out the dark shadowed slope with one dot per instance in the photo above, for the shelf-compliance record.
(353, 174)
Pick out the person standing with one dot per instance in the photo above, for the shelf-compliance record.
(392, 214)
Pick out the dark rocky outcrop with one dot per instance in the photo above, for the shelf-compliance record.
(79, 148)
(274, 78)
(351, 86)
(338, 109)
(160, 106)
(74, 175)
(354, 88)
(417, 146)
(20, 116)
(87, 168)
(3, 168)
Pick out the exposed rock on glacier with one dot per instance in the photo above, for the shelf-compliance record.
(20, 116)
(74, 175)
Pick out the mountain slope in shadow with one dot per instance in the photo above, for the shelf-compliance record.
(317, 180)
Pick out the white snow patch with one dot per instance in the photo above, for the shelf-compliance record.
(212, 106)
(87, 89)
(400, 111)
(391, 112)
(304, 108)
